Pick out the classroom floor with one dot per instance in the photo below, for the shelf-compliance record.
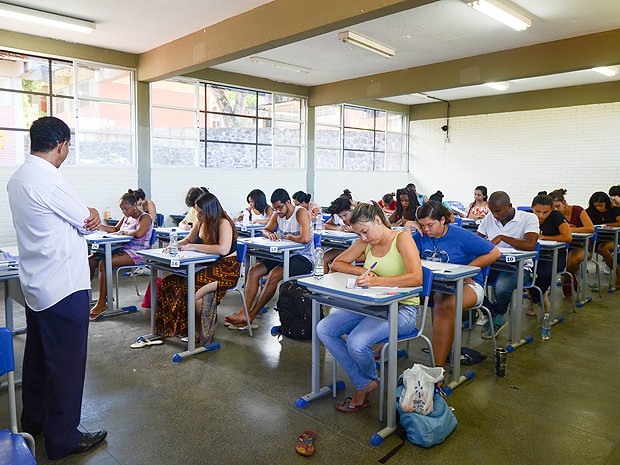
(558, 404)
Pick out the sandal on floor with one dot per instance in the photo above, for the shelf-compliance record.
(144, 342)
(305, 443)
(347, 405)
(243, 327)
(92, 316)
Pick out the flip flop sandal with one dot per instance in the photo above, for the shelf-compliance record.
(186, 339)
(244, 328)
(94, 316)
(305, 443)
(144, 342)
(347, 406)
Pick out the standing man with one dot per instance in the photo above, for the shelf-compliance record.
(507, 227)
(292, 223)
(50, 221)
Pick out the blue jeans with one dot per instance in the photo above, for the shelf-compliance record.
(505, 284)
(354, 354)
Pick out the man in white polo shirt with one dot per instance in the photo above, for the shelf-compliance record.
(50, 222)
(507, 227)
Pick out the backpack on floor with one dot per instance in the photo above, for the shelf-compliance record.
(295, 309)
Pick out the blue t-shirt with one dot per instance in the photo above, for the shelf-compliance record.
(458, 246)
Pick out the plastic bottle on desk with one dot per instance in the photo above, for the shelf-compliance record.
(173, 246)
(546, 328)
(106, 215)
(246, 218)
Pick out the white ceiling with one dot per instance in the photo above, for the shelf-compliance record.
(441, 31)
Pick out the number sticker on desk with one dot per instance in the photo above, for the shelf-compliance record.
(94, 246)
(510, 259)
(273, 249)
(175, 263)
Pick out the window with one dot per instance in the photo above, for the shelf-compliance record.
(360, 139)
(96, 102)
(231, 127)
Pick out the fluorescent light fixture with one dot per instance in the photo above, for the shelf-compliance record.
(279, 64)
(360, 41)
(45, 18)
(497, 85)
(605, 71)
(502, 13)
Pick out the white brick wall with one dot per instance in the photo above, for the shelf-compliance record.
(99, 187)
(522, 153)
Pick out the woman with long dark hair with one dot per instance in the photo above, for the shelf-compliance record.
(214, 233)
(406, 206)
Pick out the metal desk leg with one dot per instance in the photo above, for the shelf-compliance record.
(457, 378)
(109, 287)
(154, 290)
(8, 307)
(315, 391)
(379, 437)
(583, 269)
(552, 293)
(612, 273)
(517, 313)
(286, 265)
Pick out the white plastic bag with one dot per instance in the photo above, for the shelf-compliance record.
(419, 382)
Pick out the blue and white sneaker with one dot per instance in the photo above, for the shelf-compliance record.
(499, 322)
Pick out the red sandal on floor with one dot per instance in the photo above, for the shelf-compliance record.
(305, 443)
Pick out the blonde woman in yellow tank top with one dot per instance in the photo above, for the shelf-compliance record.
(397, 264)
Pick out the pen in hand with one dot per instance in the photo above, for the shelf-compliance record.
(369, 269)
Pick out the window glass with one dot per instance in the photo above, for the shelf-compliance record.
(174, 94)
(108, 83)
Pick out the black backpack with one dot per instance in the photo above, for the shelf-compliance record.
(295, 309)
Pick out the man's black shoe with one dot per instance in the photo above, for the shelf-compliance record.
(89, 441)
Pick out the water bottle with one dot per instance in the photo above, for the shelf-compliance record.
(546, 328)
(318, 228)
(246, 218)
(173, 247)
(106, 215)
(319, 268)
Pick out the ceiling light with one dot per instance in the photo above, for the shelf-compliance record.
(279, 64)
(605, 71)
(354, 38)
(497, 85)
(502, 13)
(45, 18)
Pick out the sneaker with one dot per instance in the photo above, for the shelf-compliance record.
(606, 269)
(532, 309)
(499, 323)
(482, 319)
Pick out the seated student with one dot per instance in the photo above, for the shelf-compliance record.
(146, 205)
(601, 211)
(614, 195)
(442, 242)
(479, 208)
(302, 199)
(292, 223)
(340, 209)
(509, 228)
(396, 263)
(347, 193)
(135, 223)
(405, 208)
(388, 203)
(260, 211)
(553, 227)
(190, 200)
(438, 197)
(214, 233)
(422, 199)
(578, 222)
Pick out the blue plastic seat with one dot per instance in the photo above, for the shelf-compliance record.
(160, 219)
(15, 448)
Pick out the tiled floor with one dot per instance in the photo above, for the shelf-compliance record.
(559, 402)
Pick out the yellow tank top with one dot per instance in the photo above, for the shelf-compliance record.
(391, 264)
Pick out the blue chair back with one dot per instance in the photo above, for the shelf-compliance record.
(7, 357)
(317, 239)
(458, 221)
(242, 248)
(595, 237)
(160, 220)
(427, 281)
(524, 208)
(153, 238)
